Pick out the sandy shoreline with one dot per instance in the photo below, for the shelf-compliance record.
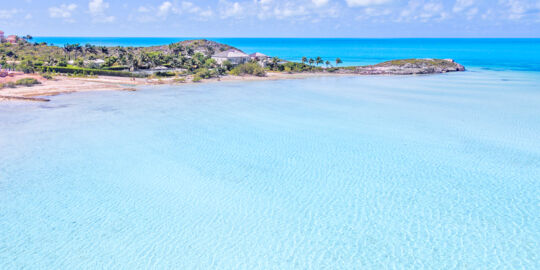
(64, 84)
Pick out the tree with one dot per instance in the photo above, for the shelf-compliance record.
(319, 60)
(311, 61)
(338, 61)
(327, 63)
(76, 48)
(67, 49)
(304, 60)
(274, 63)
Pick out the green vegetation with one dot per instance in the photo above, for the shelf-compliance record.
(7, 85)
(292, 67)
(250, 68)
(197, 78)
(189, 57)
(27, 82)
(89, 71)
(165, 74)
(417, 62)
(21, 82)
(179, 80)
(47, 76)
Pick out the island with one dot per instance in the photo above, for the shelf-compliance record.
(33, 71)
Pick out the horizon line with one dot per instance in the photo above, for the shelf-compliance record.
(186, 37)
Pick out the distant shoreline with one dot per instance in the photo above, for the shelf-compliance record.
(65, 84)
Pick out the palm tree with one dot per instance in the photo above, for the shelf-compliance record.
(327, 63)
(76, 48)
(27, 37)
(275, 62)
(67, 49)
(304, 60)
(338, 61)
(319, 60)
(311, 61)
(89, 48)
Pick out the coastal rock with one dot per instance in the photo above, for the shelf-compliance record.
(406, 67)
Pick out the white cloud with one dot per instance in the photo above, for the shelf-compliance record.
(290, 11)
(165, 8)
(143, 9)
(462, 5)
(97, 10)
(8, 14)
(162, 11)
(519, 9)
(310, 10)
(379, 14)
(365, 3)
(320, 3)
(231, 9)
(423, 11)
(63, 11)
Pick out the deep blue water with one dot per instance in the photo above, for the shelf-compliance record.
(513, 54)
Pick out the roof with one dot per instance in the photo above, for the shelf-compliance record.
(258, 54)
(231, 53)
(12, 36)
(1, 32)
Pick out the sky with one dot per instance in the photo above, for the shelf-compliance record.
(272, 18)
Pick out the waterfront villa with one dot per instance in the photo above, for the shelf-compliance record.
(12, 39)
(236, 57)
(258, 56)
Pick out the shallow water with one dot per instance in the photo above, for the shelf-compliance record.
(407, 172)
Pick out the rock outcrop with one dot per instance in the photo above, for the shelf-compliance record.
(405, 67)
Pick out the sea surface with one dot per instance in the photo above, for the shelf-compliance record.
(368, 172)
(500, 54)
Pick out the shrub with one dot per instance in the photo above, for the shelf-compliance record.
(27, 82)
(118, 68)
(47, 76)
(248, 68)
(7, 85)
(179, 80)
(204, 73)
(197, 78)
(77, 70)
(165, 74)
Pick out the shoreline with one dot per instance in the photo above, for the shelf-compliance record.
(65, 85)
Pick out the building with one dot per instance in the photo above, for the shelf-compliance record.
(258, 56)
(1, 36)
(236, 57)
(12, 39)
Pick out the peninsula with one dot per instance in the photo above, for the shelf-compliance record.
(32, 71)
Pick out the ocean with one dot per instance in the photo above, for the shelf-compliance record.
(514, 54)
(352, 172)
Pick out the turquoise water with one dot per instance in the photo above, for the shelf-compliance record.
(505, 54)
(434, 172)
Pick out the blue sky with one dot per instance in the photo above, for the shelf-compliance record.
(273, 18)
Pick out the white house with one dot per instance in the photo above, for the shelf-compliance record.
(234, 56)
(258, 56)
